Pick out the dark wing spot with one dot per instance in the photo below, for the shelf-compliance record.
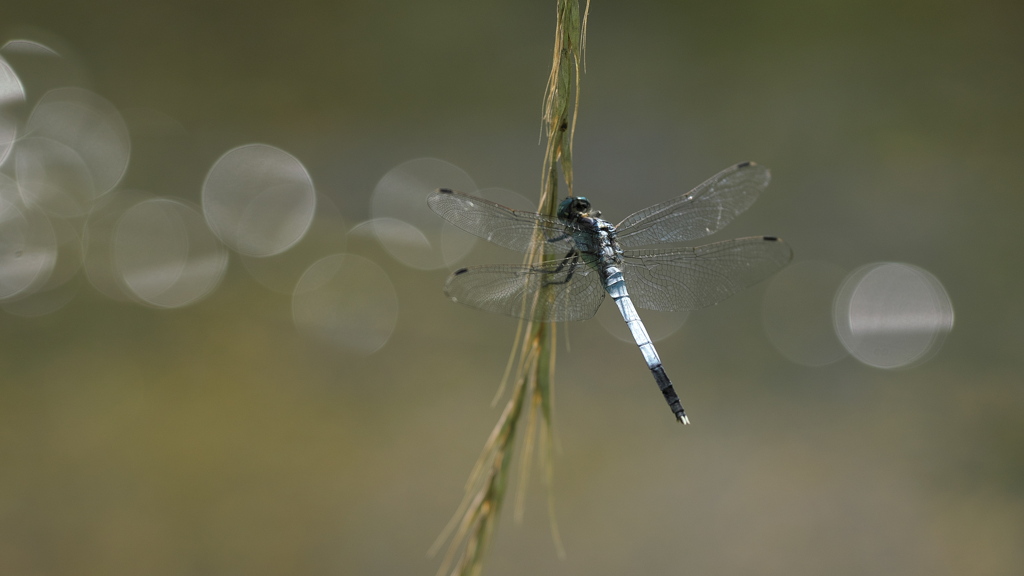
(460, 271)
(446, 191)
(744, 164)
(770, 239)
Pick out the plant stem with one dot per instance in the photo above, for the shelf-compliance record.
(534, 355)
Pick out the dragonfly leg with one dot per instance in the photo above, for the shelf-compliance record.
(558, 238)
(571, 259)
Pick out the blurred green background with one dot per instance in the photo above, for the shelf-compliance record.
(217, 439)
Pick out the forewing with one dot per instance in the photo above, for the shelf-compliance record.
(513, 229)
(692, 278)
(561, 295)
(702, 211)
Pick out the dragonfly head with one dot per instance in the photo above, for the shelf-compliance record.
(573, 207)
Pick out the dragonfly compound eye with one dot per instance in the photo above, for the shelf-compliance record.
(566, 208)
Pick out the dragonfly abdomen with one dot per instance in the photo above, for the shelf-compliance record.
(616, 287)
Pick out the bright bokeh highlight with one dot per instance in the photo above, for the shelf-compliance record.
(347, 302)
(891, 315)
(259, 200)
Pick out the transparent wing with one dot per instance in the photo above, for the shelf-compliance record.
(569, 293)
(702, 211)
(513, 229)
(691, 278)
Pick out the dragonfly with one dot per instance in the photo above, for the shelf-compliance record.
(584, 257)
